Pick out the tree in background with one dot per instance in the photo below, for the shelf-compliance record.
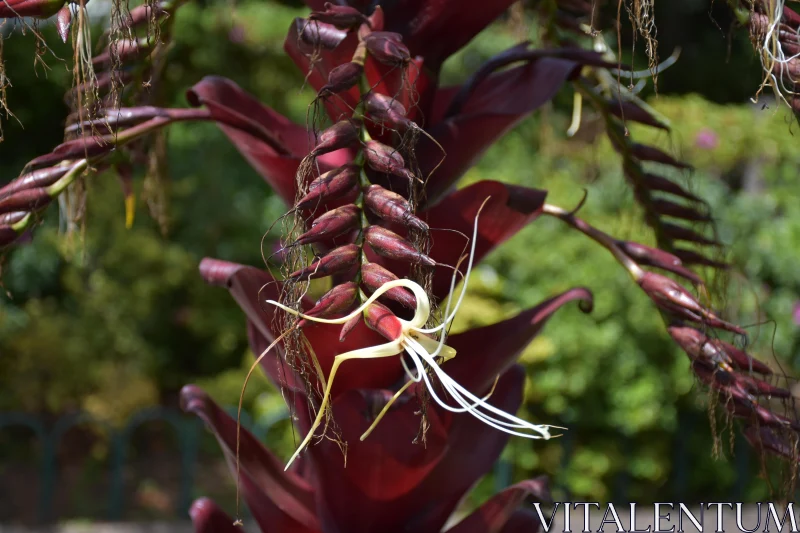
(637, 171)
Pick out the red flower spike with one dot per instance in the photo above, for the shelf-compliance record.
(645, 255)
(341, 135)
(331, 185)
(38, 178)
(332, 224)
(491, 516)
(335, 302)
(342, 78)
(389, 244)
(392, 207)
(386, 159)
(379, 318)
(374, 276)
(387, 111)
(343, 17)
(208, 517)
(318, 34)
(387, 48)
(40, 9)
(339, 260)
(277, 499)
(25, 200)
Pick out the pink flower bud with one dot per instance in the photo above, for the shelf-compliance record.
(349, 326)
(40, 9)
(758, 387)
(342, 78)
(318, 34)
(378, 317)
(645, 255)
(374, 276)
(335, 302)
(333, 184)
(75, 149)
(9, 219)
(376, 20)
(665, 207)
(332, 224)
(343, 17)
(672, 298)
(387, 48)
(391, 245)
(392, 207)
(382, 158)
(38, 178)
(341, 135)
(387, 110)
(740, 359)
(63, 22)
(26, 200)
(698, 346)
(338, 260)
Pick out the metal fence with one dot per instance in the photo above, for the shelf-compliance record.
(189, 430)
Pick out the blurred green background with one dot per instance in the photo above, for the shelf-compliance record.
(121, 321)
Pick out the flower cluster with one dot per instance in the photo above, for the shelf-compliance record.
(369, 184)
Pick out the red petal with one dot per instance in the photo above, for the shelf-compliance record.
(401, 486)
(276, 161)
(436, 29)
(492, 516)
(207, 517)
(495, 106)
(277, 499)
(483, 353)
(509, 210)
(249, 286)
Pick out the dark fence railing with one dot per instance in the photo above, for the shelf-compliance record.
(188, 431)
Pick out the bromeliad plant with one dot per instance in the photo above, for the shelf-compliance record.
(369, 183)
